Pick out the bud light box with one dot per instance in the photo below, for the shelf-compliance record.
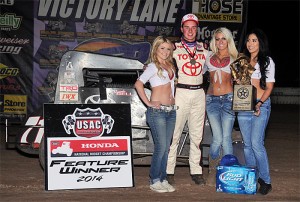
(236, 180)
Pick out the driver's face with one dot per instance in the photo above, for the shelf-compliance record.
(189, 30)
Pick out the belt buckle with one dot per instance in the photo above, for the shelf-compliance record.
(168, 108)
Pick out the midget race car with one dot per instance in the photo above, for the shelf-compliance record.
(102, 78)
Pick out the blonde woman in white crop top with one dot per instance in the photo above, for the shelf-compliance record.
(219, 97)
(161, 111)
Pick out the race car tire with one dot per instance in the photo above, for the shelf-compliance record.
(42, 153)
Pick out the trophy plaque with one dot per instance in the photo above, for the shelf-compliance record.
(244, 94)
(244, 98)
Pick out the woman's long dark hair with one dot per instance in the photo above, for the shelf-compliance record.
(263, 54)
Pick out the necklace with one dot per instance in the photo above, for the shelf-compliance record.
(191, 54)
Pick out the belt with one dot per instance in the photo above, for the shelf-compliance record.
(191, 87)
(168, 107)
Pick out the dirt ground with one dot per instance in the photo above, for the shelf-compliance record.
(22, 178)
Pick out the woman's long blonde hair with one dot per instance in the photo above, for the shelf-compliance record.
(233, 52)
(153, 54)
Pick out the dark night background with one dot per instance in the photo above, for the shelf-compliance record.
(280, 21)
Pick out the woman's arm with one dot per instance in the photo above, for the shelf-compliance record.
(264, 97)
(139, 86)
(267, 92)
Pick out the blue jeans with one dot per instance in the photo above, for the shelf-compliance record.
(162, 124)
(253, 130)
(221, 119)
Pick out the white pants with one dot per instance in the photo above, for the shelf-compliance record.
(192, 109)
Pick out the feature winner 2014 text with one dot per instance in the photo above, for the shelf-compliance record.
(72, 167)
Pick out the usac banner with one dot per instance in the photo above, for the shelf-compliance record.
(88, 146)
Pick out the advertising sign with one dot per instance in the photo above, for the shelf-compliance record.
(88, 146)
(36, 34)
(13, 107)
(75, 163)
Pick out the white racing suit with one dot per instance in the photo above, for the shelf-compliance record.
(190, 98)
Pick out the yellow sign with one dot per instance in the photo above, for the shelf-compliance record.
(16, 104)
(209, 17)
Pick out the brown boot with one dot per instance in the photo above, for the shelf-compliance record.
(211, 179)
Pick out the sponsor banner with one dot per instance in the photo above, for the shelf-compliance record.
(88, 146)
(8, 71)
(68, 96)
(13, 107)
(87, 120)
(35, 35)
(220, 11)
(75, 163)
(16, 50)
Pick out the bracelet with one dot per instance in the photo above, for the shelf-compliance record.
(260, 102)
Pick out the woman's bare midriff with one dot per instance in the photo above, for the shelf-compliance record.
(162, 94)
(215, 88)
(259, 90)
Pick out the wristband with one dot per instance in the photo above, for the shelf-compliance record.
(260, 102)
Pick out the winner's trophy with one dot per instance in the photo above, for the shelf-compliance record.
(244, 94)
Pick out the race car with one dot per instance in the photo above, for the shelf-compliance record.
(98, 78)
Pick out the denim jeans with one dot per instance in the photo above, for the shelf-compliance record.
(253, 130)
(221, 119)
(162, 125)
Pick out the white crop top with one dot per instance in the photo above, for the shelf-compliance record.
(209, 66)
(150, 74)
(270, 73)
